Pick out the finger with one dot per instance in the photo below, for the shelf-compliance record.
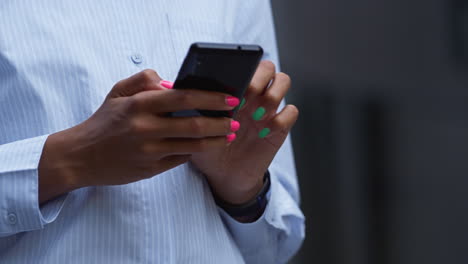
(197, 127)
(170, 162)
(151, 127)
(262, 77)
(281, 123)
(143, 81)
(272, 97)
(184, 146)
(187, 99)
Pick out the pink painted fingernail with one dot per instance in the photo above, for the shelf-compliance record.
(232, 101)
(167, 84)
(235, 126)
(231, 137)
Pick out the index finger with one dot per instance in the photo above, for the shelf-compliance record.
(163, 101)
(143, 81)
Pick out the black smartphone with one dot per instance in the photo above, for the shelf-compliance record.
(226, 68)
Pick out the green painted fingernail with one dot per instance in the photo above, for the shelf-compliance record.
(264, 132)
(258, 114)
(242, 103)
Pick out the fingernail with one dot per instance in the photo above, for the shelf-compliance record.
(231, 137)
(232, 101)
(264, 132)
(258, 114)
(234, 126)
(167, 84)
(242, 103)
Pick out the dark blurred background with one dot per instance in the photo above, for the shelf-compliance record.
(382, 141)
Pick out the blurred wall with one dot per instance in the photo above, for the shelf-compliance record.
(382, 141)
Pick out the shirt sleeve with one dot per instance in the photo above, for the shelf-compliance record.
(19, 201)
(278, 234)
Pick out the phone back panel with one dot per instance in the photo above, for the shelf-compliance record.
(226, 68)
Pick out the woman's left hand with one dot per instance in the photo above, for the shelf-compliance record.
(235, 173)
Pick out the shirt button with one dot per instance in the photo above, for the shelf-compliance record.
(137, 58)
(12, 219)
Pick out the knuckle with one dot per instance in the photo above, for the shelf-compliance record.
(116, 90)
(271, 97)
(255, 87)
(287, 119)
(268, 65)
(280, 124)
(185, 98)
(138, 126)
(283, 78)
(132, 104)
(150, 79)
(196, 126)
(148, 74)
(294, 111)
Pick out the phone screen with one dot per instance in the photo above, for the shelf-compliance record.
(226, 68)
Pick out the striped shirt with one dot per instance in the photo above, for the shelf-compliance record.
(58, 61)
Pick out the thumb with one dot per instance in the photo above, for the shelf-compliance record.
(145, 80)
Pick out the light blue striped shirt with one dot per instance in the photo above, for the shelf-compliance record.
(58, 61)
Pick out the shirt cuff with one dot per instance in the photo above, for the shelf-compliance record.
(19, 201)
(280, 219)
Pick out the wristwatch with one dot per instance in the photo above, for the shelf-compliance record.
(251, 210)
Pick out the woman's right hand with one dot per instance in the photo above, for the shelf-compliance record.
(130, 137)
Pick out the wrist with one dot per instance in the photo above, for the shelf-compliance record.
(56, 167)
(251, 210)
(235, 195)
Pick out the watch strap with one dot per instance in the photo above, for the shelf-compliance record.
(251, 209)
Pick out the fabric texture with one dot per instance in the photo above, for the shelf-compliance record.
(58, 61)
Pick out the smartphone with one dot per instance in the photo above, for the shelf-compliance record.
(226, 68)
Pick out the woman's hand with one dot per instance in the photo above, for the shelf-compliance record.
(130, 137)
(236, 172)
